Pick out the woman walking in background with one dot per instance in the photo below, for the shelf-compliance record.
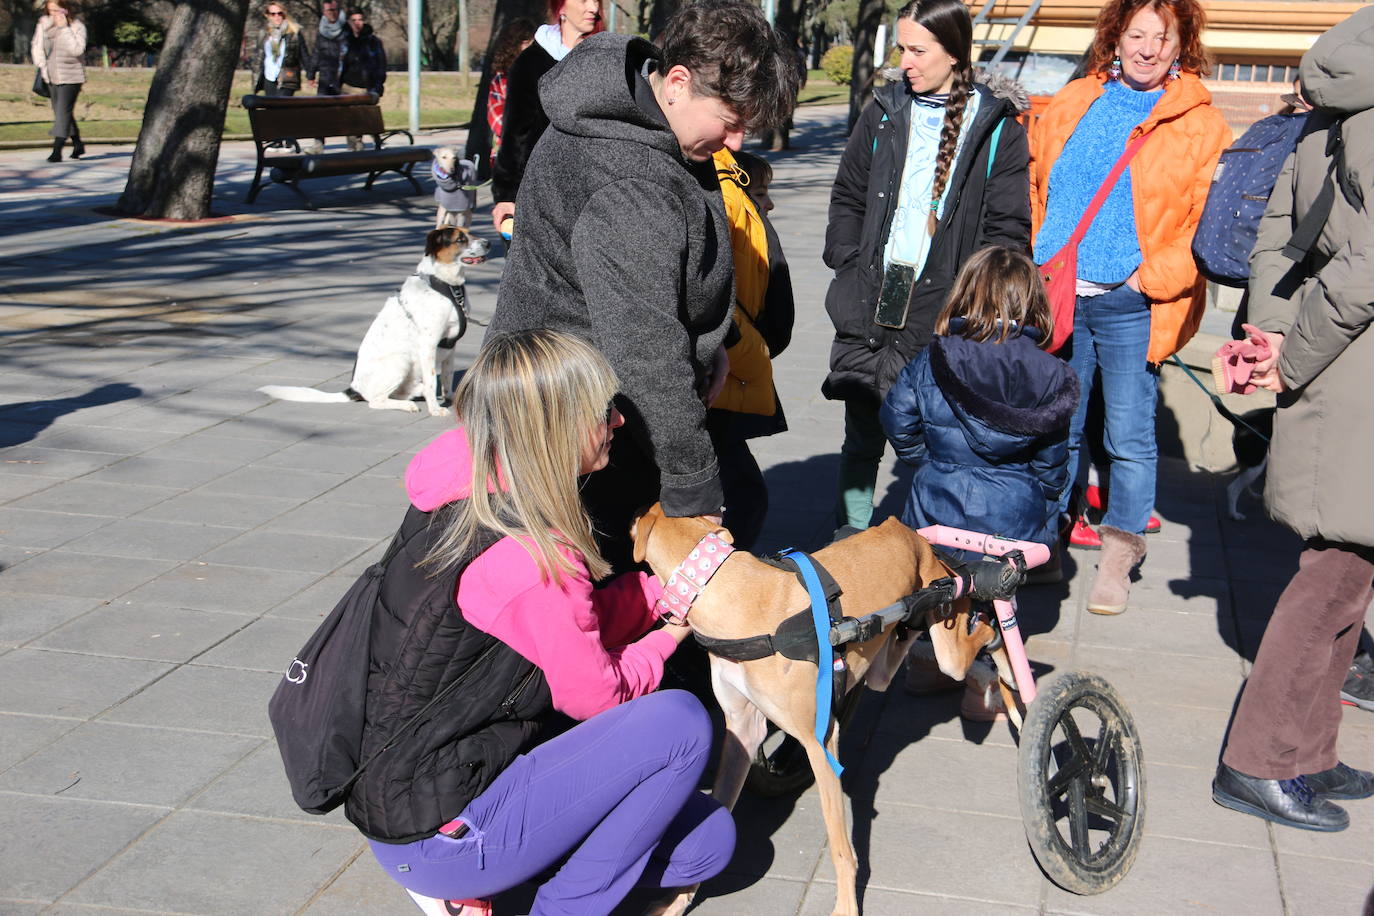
(281, 55)
(488, 117)
(1139, 295)
(59, 41)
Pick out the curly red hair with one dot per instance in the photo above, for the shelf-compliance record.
(1186, 15)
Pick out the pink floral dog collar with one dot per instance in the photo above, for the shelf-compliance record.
(691, 576)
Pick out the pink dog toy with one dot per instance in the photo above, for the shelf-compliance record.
(1235, 362)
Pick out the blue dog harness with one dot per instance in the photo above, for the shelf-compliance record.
(830, 665)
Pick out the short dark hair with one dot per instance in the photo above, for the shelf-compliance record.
(756, 167)
(734, 55)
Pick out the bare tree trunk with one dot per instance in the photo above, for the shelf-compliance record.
(173, 170)
(871, 14)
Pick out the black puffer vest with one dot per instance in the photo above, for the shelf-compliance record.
(498, 708)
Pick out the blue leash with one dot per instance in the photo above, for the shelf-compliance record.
(820, 619)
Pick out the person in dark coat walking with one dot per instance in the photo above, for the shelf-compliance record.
(362, 63)
(329, 38)
(281, 54)
(935, 169)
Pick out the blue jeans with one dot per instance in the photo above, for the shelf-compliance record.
(615, 799)
(1111, 337)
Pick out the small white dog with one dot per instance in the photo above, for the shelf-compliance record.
(407, 353)
(455, 193)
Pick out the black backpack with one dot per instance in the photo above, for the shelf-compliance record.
(318, 711)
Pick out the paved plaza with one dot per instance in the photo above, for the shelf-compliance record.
(169, 537)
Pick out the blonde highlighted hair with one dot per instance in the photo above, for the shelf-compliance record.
(997, 291)
(529, 405)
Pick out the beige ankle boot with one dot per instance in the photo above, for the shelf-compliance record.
(1121, 553)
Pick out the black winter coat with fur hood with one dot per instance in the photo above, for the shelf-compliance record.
(981, 209)
(986, 425)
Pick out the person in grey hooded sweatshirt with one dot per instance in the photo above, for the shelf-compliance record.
(622, 237)
(1315, 306)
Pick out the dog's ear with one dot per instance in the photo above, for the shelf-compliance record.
(438, 239)
(644, 522)
(724, 534)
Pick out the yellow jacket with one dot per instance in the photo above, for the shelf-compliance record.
(749, 386)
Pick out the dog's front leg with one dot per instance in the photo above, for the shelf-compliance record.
(745, 729)
(429, 378)
(836, 829)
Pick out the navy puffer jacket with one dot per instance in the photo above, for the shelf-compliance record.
(986, 426)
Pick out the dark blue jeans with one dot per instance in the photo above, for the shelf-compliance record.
(614, 798)
(1111, 337)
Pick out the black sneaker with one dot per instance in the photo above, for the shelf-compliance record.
(1341, 781)
(1290, 802)
(1358, 689)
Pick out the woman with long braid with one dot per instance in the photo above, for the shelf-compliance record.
(935, 169)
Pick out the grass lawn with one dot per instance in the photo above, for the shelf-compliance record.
(111, 102)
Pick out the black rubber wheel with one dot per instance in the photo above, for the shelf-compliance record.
(1081, 777)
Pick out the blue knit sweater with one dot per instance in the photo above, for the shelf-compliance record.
(1111, 250)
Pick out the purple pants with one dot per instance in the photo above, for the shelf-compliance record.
(614, 799)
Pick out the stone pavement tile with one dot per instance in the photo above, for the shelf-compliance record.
(1187, 736)
(62, 572)
(289, 551)
(383, 492)
(904, 834)
(1182, 558)
(235, 589)
(1162, 590)
(363, 890)
(1178, 804)
(266, 644)
(21, 736)
(165, 419)
(395, 466)
(334, 518)
(257, 786)
(820, 898)
(224, 509)
(1316, 887)
(109, 439)
(211, 446)
(359, 564)
(1144, 675)
(12, 907)
(362, 435)
(35, 528)
(256, 480)
(933, 773)
(83, 497)
(729, 894)
(315, 601)
(122, 763)
(315, 456)
(66, 684)
(1163, 631)
(203, 699)
(137, 537)
(134, 630)
(15, 486)
(1257, 564)
(1183, 876)
(252, 426)
(778, 837)
(163, 472)
(49, 845)
(55, 462)
(214, 863)
(23, 617)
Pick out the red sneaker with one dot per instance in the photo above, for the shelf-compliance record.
(1153, 525)
(1093, 497)
(1083, 536)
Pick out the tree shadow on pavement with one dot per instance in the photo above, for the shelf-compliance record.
(22, 422)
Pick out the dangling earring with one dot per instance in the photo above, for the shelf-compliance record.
(672, 100)
(1174, 70)
(1114, 71)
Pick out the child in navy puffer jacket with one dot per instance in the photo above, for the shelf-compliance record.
(983, 415)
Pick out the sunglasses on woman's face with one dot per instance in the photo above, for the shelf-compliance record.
(275, 13)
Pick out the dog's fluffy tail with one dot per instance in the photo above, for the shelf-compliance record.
(311, 395)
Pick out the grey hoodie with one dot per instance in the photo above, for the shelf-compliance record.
(621, 241)
(1318, 482)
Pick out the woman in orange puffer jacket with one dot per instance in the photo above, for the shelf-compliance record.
(1140, 297)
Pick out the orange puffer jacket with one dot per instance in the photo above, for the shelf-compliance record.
(1170, 177)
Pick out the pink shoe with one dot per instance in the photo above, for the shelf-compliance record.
(1235, 362)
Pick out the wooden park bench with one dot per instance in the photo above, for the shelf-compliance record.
(296, 119)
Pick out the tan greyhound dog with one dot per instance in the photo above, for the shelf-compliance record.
(747, 597)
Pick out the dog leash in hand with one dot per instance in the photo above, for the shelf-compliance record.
(1221, 408)
(820, 619)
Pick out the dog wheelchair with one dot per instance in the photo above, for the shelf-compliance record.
(1080, 770)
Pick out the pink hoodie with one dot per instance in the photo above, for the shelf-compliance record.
(590, 643)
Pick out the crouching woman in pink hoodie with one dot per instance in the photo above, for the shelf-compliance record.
(492, 618)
